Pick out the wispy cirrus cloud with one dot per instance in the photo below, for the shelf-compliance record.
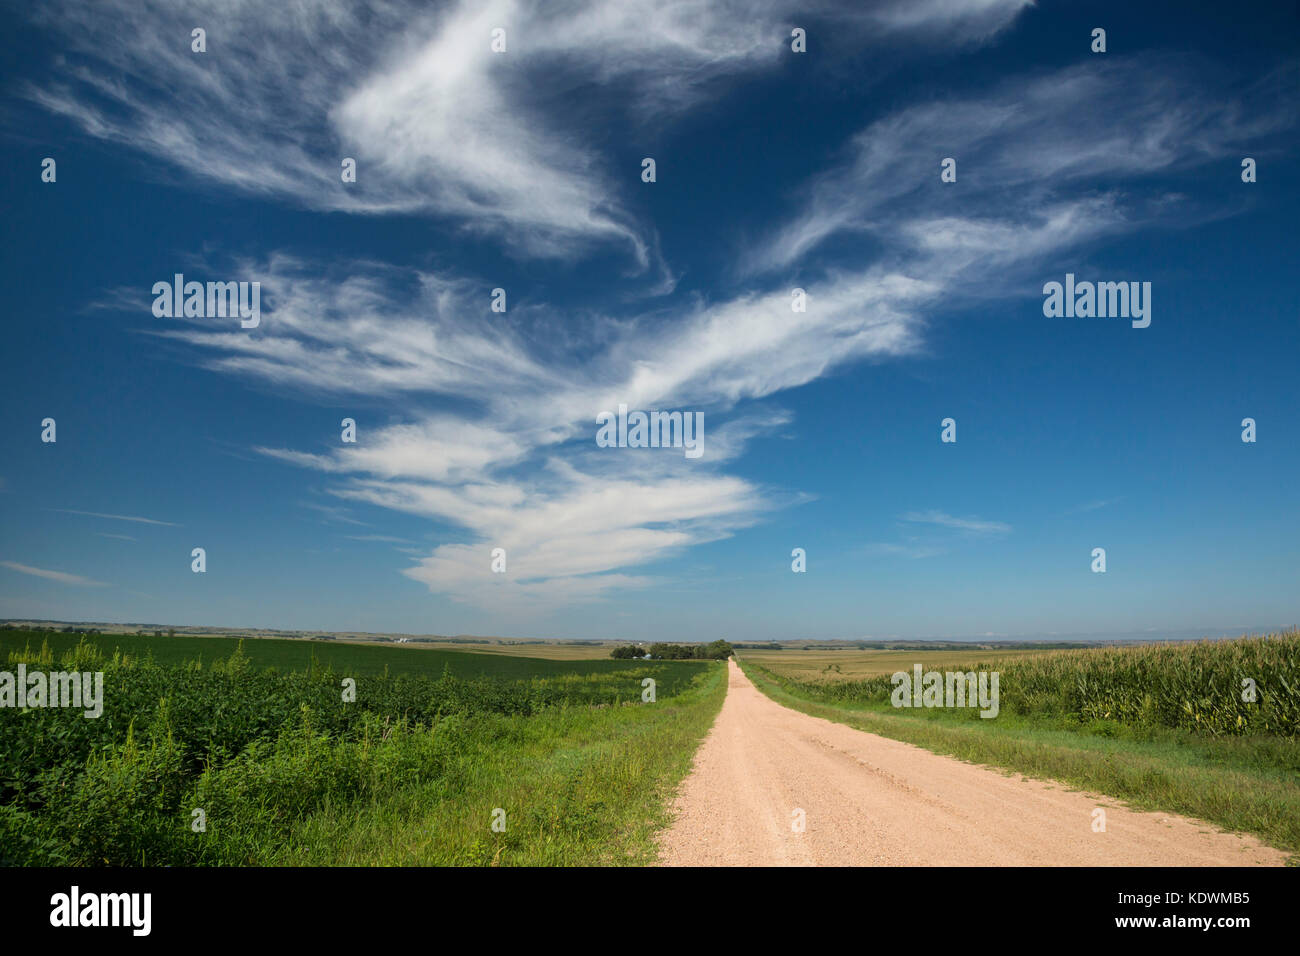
(133, 518)
(332, 513)
(377, 538)
(1039, 163)
(438, 122)
(494, 433)
(513, 462)
(939, 534)
(964, 22)
(500, 416)
(566, 543)
(62, 577)
(894, 549)
(973, 525)
(1093, 505)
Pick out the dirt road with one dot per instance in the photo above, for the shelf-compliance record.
(871, 801)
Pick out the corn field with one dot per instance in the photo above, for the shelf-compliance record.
(1242, 687)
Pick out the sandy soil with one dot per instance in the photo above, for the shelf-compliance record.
(871, 801)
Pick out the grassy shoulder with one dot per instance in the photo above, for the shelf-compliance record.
(578, 787)
(1246, 784)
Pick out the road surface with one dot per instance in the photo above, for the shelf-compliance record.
(871, 801)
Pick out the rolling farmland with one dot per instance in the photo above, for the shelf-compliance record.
(259, 740)
(261, 756)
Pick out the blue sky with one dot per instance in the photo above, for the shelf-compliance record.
(775, 170)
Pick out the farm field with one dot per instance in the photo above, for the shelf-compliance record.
(1163, 727)
(288, 654)
(545, 649)
(823, 665)
(262, 747)
(549, 651)
(436, 744)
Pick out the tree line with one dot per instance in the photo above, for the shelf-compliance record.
(713, 651)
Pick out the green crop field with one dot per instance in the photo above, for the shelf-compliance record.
(1168, 726)
(291, 655)
(548, 650)
(215, 752)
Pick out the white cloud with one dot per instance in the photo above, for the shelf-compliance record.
(502, 400)
(61, 576)
(971, 20)
(1038, 163)
(893, 549)
(96, 514)
(332, 512)
(512, 460)
(972, 525)
(1092, 505)
(438, 122)
(567, 544)
(497, 416)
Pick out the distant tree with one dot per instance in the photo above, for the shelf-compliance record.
(718, 650)
(660, 651)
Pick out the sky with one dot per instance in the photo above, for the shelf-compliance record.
(522, 169)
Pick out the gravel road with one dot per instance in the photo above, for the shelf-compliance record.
(870, 801)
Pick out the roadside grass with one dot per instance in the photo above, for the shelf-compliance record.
(1239, 783)
(579, 787)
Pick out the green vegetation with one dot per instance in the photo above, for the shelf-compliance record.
(1195, 686)
(713, 651)
(1158, 726)
(308, 655)
(286, 770)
